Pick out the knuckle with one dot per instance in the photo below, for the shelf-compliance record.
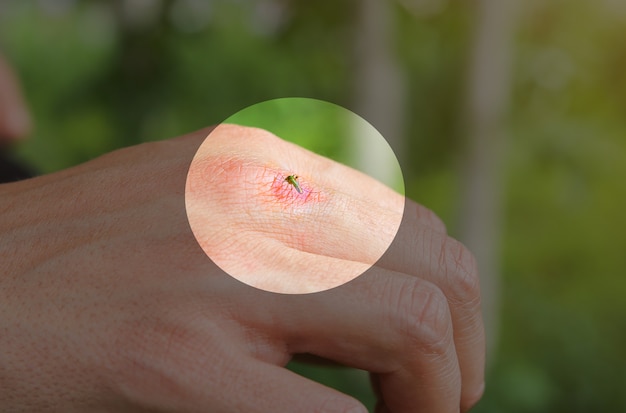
(436, 222)
(423, 316)
(458, 266)
(431, 219)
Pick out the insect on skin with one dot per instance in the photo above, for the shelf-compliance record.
(293, 180)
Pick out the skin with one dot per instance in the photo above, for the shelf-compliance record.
(303, 224)
(15, 120)
(108, 303)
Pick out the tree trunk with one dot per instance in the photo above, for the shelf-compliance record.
(379, 84)
(488, 95)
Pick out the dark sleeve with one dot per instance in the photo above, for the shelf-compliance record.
(11, 170)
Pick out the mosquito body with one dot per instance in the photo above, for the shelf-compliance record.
(293, 180)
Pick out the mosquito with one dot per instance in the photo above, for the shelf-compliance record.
(293, 180)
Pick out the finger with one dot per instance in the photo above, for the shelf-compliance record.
(285, 391)
(418, 216)
(251, 386)
(341, 198)
(364, 229)
(448, 264)
(391, 324)
(15, 120)
(321, 220)
(348, 181)
(289, 270)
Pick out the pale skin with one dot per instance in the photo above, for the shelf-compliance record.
(108, 304)
(281, 237)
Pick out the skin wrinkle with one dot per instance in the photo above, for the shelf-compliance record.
(261, 346)
(279, 191)
(282, 194)
(281, 260)
(423, 310)
(154, 296)
(72, 226)
(464, 290)
(254, 176)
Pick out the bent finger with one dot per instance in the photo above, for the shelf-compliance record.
(257, 387)
(425, 251)
(391, 324)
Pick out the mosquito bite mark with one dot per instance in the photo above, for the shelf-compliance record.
(291, 189)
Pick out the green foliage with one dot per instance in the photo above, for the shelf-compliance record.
(349, 381)
(316, 125)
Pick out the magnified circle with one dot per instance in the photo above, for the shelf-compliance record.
(294, 195)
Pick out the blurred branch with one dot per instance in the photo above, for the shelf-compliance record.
(488, 95)
(379, 85)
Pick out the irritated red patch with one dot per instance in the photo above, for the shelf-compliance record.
(251, 185)
(286, 193)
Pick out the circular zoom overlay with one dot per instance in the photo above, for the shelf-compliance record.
(294, 195)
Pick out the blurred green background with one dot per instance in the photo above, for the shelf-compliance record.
(99, 75)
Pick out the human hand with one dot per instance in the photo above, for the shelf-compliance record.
(108, 304)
